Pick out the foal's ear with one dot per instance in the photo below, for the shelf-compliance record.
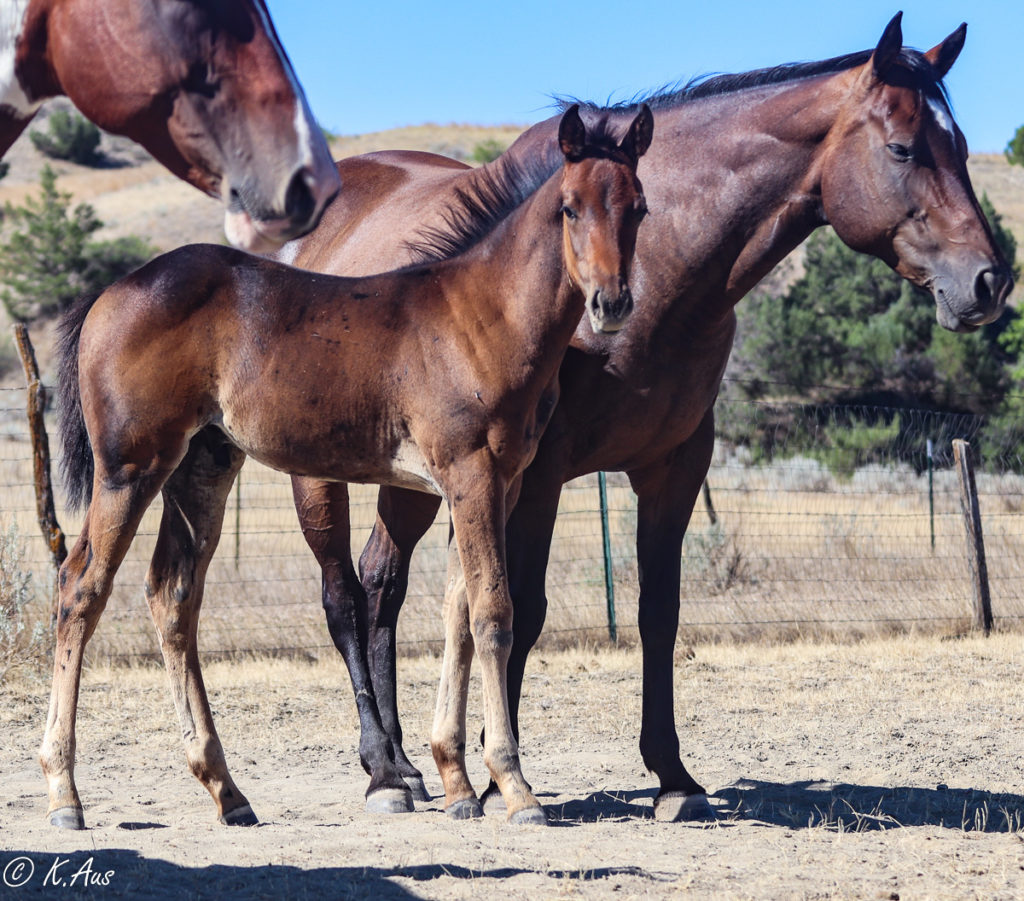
(888, 47)
(572, 134)
(942, 56)
(640, 133)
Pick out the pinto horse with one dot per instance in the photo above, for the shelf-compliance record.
(204, 86)
(743, 168)
(441, 377)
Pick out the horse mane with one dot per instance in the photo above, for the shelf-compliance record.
(917, 73)
(494, 191)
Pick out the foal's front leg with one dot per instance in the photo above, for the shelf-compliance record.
(476, 493)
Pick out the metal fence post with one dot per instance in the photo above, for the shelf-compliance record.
(609, 583)
(931, 492)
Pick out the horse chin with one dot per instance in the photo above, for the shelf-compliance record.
(950, 320)
(242, 232)
(605, 326)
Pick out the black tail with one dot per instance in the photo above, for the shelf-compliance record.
(76, 459)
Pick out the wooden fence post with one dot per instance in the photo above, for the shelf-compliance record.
(53, 535)
(975, 542)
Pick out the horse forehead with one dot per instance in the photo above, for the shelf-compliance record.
(600, 180)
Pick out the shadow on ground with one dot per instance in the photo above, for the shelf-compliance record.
(796, 805)
(122, 873)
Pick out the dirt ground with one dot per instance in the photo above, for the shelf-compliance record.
(884, 770)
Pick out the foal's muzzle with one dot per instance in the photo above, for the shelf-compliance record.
(608, 313)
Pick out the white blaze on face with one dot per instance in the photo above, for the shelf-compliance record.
(12, 20)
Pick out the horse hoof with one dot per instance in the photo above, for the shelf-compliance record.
(67, 818)
(240, 816)
(389, 800)
(466, 809)
(418, 788)
(529, 816)
(493, 803)
(676, 807)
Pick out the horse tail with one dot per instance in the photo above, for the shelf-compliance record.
(77, 465)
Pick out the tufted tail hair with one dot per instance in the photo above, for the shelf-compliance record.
(77, 464)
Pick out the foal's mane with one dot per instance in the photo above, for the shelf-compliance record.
(912, 66)
(495, 190)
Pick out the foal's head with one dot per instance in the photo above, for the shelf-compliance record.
(602, 205)
(895, 182)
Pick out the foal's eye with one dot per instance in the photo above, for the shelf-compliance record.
(900, 151)
(568, 212)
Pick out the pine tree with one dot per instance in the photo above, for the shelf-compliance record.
(47, 257)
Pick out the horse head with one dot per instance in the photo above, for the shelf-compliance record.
(602, 206)
(207, 88)
(895, 182)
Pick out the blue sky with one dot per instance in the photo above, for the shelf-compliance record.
(370, 66)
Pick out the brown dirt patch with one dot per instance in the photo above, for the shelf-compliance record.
(881, 770)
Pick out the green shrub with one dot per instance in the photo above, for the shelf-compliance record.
(486, 151)
(70, 137)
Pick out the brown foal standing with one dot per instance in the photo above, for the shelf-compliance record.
(438, 377)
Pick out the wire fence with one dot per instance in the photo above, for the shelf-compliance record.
(798, 545)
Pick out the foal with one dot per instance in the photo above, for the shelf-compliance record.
(440, 377)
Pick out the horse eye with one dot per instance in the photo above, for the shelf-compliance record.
(197, 81)
(900, 151)
(568, 212)
(641, 208)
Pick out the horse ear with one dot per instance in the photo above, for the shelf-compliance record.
(942, 56)
(888, 47)
(572, 133)
(640, 133)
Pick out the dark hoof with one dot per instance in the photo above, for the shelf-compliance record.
(389, 800)
(418, 788)
(676, 807)
(466, 809)
(67, 818)
(529, 816)
(493, 803)
(240, 816)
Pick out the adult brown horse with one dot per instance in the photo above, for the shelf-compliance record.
(742, 169)
(440, 377)
(204, 86)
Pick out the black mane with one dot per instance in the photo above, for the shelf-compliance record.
(496, 190)
(912, 69)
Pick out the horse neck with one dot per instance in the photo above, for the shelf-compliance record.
(526, 286)
(25, 78)
(736, 179)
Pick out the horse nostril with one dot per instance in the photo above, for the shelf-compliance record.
(992, 287)
(299, 200)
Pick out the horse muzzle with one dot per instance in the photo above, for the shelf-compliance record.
(252, 224)
(608, 312)
(967, 302)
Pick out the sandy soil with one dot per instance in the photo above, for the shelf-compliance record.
(882, 770)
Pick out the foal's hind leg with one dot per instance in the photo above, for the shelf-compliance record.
(194, 500)
(324, 516)
(403, 517)
(85, 582)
